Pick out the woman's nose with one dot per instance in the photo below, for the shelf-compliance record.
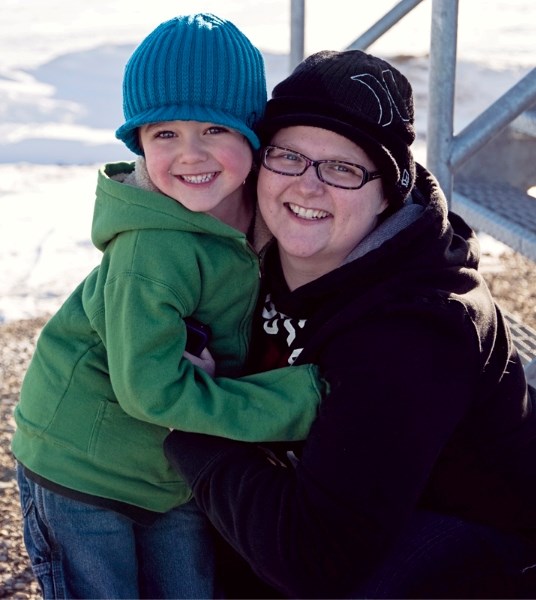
(309, 179)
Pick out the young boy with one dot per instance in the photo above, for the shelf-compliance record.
(104, 513)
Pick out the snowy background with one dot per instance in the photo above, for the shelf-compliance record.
(61, 65)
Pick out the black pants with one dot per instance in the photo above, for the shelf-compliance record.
(436, 556)
(439, 556)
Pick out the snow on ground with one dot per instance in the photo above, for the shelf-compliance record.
(60, 103)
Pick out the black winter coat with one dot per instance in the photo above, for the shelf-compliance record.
(428, 408)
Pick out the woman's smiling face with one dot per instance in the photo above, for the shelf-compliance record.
(317, 225)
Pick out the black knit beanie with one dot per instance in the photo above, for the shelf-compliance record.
(356, 95)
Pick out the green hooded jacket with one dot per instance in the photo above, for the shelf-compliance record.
(108, 378)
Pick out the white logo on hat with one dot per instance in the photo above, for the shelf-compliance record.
(381, 90)
(405, 179)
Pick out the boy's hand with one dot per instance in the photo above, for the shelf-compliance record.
(205, 361)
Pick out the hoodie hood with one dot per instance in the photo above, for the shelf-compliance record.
(423, 221)
(126, 200)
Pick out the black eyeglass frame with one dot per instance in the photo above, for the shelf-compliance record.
(309, 162)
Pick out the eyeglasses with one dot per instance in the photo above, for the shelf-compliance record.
(338, 173)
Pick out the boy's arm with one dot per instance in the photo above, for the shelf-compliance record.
(153, 382)
(276, 405)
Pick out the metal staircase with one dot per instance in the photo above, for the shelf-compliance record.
(490, 189)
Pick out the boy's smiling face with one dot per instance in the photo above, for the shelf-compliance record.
(200, 165)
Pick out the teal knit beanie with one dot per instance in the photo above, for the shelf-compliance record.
(194, 68)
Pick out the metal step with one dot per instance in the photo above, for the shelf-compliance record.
(524, 338)
(500, 210)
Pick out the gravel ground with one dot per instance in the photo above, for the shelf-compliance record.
(510, 277)
(17, 340)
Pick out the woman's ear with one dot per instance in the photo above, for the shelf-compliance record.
(384, 205)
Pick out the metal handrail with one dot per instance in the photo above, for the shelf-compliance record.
(441, 91)
(383, 25)
(297, 32)
(445, 151)
(501, 113)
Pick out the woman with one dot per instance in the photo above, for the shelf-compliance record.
(418, 478)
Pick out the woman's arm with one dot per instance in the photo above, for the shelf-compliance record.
(316, 530)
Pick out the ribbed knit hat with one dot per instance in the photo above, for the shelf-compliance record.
(194, 68)
(356, 95)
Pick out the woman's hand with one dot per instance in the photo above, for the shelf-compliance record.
(205, 361)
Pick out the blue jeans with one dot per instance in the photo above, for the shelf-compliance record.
(82, 551)
(440, 556)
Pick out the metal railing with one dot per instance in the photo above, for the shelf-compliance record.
(445, 151)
